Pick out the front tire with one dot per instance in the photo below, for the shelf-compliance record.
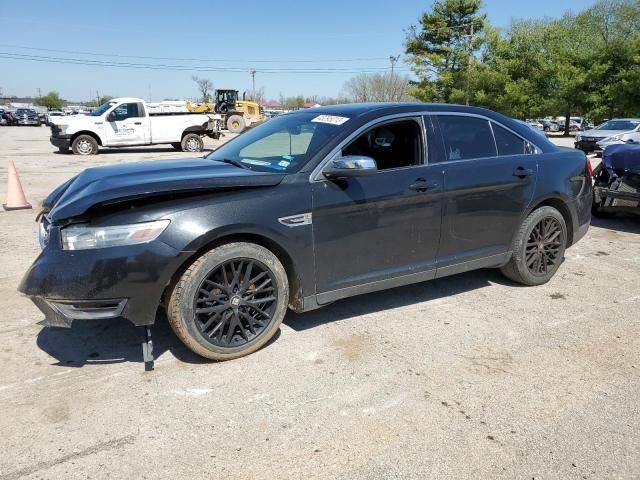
(192, 142)
(538, 248)
(84, 145)
(230, 301)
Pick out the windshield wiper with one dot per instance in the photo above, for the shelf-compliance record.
(236, 163)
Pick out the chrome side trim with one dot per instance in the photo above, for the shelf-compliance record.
(296, 220)
(537, 150)
(315, 175)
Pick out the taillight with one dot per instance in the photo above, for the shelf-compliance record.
(589, 168)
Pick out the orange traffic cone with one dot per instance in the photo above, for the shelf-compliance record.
(15, 195)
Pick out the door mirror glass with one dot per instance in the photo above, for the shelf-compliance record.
(351, 166)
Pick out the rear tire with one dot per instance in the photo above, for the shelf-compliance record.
(84, 145)
(192, 142)
(538, 248)
(236, 124)
(177, 146)
(213, 283)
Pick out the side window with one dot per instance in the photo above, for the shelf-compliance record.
(466, 137)
(508, 143)
(391, 145)
(124, 111)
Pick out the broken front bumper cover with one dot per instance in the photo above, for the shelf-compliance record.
(126, 282)
(62, 313)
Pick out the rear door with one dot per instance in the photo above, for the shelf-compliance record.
(127, 124)
(489, 179)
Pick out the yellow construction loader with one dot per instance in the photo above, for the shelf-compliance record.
(237, 115)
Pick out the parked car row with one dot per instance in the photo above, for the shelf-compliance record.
(22, 116)
(28, 116)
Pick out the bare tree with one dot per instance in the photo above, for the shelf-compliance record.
(205, 86)
(378, 87)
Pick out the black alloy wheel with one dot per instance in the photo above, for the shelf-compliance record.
(235, 303)
(537, 249)
(544, 245)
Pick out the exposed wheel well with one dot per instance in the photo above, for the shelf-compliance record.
(295, 288)
(563, 208)
(194, 129)
(86, 132)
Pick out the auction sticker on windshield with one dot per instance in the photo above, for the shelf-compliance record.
(331, 119)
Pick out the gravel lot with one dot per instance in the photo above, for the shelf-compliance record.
(465, 377)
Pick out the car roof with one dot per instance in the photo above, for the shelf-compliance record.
(383, 108)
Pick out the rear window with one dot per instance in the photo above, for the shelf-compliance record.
(507, 142)
(466, 137)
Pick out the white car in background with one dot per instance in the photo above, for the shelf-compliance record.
(54, 116)
(617, 129)
(632, 136)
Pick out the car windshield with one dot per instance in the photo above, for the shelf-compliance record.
(283, 144)
(102, 108)
(619, 125)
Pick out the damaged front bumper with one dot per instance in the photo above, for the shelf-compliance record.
(126, 282)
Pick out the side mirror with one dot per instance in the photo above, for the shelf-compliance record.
(111, 117)
(351, 166)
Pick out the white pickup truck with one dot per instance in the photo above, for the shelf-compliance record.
(132, 121)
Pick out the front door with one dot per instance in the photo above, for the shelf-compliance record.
(125, 125)
(489, 180)
(369, 230)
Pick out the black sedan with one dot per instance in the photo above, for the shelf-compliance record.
(309, 208)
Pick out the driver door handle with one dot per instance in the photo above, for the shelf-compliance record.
(522, 172)
(138, 123)
(422, 185)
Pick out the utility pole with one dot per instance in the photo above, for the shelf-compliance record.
(392, 86)
(253, 79)
(39, 93)
(393, 61)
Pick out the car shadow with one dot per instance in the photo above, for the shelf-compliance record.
(105, 342)
(397, 297)
(621, 222)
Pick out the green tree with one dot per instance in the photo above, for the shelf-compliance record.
(612, 30)
(51, 100)
(443, 47)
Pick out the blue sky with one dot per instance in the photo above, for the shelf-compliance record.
(265, 35)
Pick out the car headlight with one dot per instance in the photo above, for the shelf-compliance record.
(61, 128)
(578, 138)
(619, 136)
(81, 237)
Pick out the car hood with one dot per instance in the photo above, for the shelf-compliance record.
(601, 133)
(136, 180)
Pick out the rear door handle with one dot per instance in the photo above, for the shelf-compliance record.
(522, 172)
(423, 185)
(138, 123)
